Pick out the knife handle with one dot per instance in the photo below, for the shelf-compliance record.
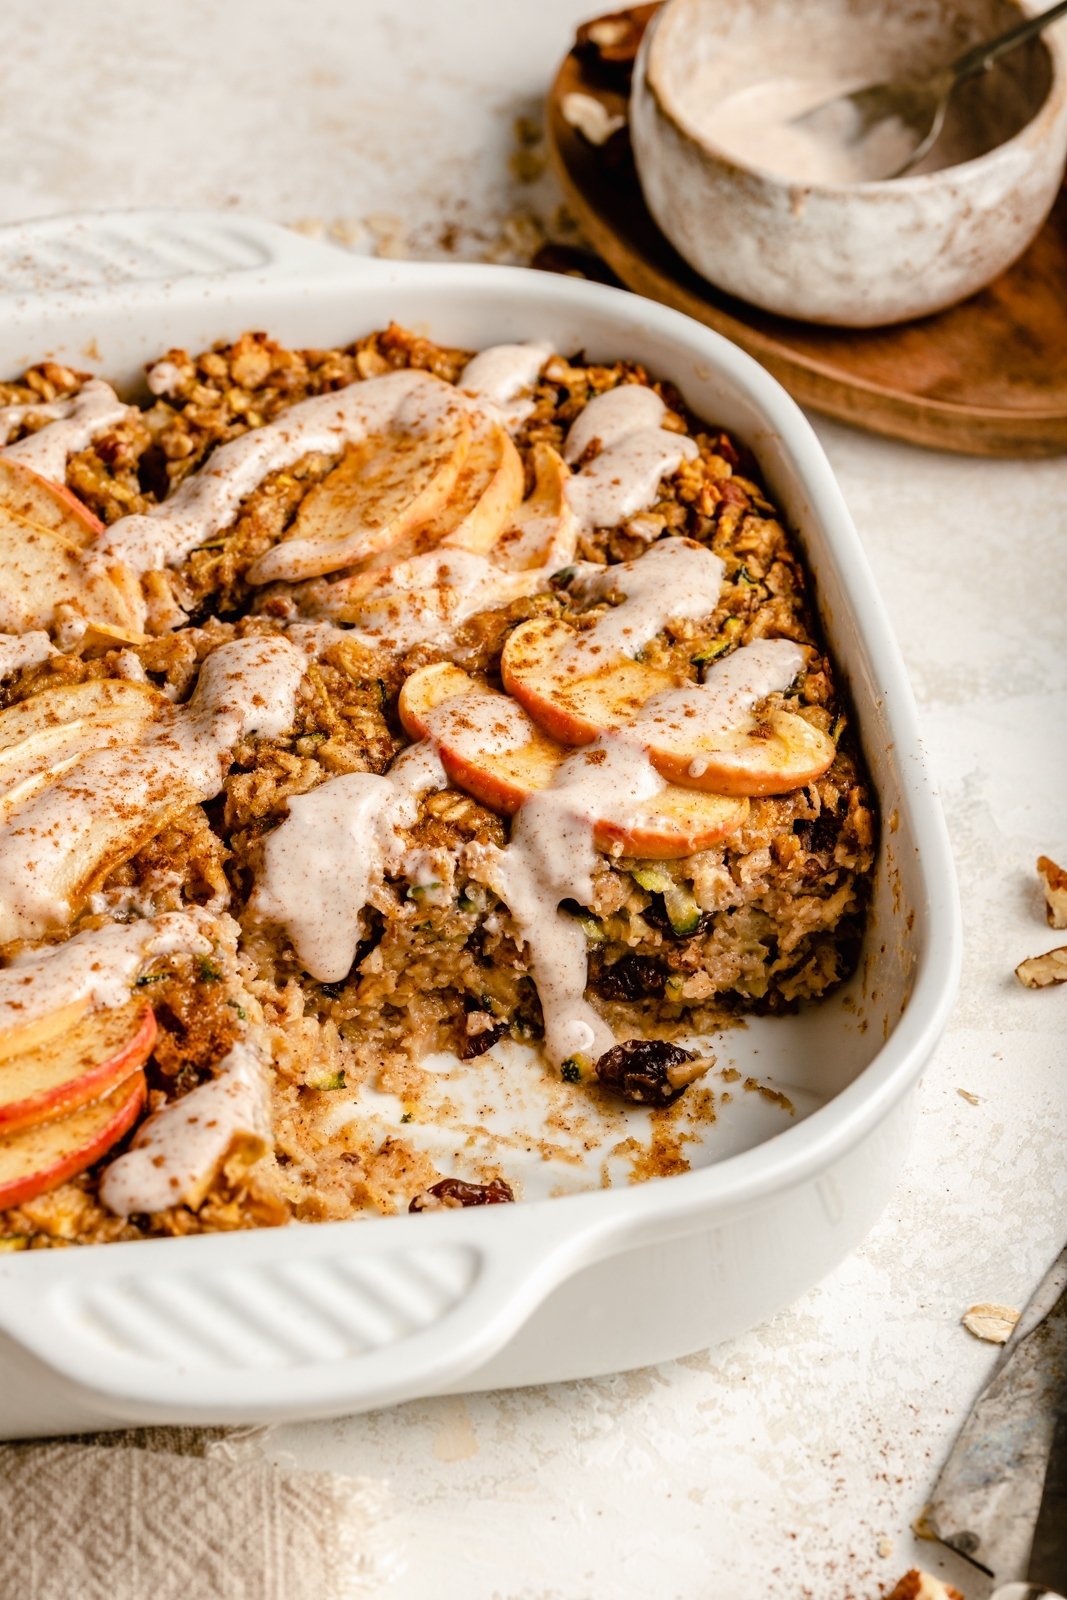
(1048, 1553)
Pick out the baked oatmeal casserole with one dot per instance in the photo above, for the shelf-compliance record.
(368, 703)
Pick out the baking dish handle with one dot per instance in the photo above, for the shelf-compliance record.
(262, 1326)
(138, 251)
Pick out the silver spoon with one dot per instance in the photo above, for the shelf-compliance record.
(919, 103)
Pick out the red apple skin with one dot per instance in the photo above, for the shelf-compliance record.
(743, 768)
(43, 1157)
(91, 523)
(23, 479)
(127, 1043)
(651, 841)
(786, 754)
(503, 784)
(526, 670)
(27, 1036)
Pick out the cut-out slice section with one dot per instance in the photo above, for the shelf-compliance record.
(42, 1157)
(709, 735)
(76, 1065)
(44, 534)
(492, 749)
(383, 489)
(544, 532)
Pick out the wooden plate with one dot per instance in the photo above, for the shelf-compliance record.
(988, 377)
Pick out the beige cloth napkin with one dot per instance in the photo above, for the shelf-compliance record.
(180, 1514)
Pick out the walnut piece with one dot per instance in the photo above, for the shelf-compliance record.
(1054, 882)
(992, 1323)
(1040, 971)
(591, 117)
(916, 1585)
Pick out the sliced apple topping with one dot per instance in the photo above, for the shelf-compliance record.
(64, 823)
(80, 1063)
(83, 793)
(22, 1038)
(384, 488)
(45, 535)
(45, 992)
(42, 1157)
(544, 532)
(42, 737)
(715, 736)
(423, 598)
(487, 495)
(707, 736)
(575, 707)
(492, 749)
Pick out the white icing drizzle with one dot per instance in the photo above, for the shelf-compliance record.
(209, 500)
(323, 863)
(422, 599)
(479, 721)
(550, 857)
(177, 1151)
(551, 854)
(99, 965)
(611, 417)
(24, 650)
(674, 580)
(635, 453)
(501, 373)
(245, 687)
(730, 691)
(73, 424)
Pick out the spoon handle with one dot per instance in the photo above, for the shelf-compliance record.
(983, 55)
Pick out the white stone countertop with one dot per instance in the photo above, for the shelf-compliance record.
(791, 1462)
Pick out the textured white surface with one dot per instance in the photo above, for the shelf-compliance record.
(790, 1463)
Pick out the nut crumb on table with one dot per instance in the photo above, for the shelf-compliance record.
(916, 1585)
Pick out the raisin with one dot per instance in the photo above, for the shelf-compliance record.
(453, 1192)
(632, 978)
(820, 833)
(649, 1071)
(476, 1044)
(655, 914)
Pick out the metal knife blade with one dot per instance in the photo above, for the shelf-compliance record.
(986, 1501)
(1048, 1557)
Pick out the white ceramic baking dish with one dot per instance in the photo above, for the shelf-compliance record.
(318, 1321)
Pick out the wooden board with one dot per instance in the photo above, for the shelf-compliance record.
(987, 377)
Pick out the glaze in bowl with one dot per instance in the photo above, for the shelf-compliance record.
(857, 255)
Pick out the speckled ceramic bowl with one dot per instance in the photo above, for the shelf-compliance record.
(862, 254)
